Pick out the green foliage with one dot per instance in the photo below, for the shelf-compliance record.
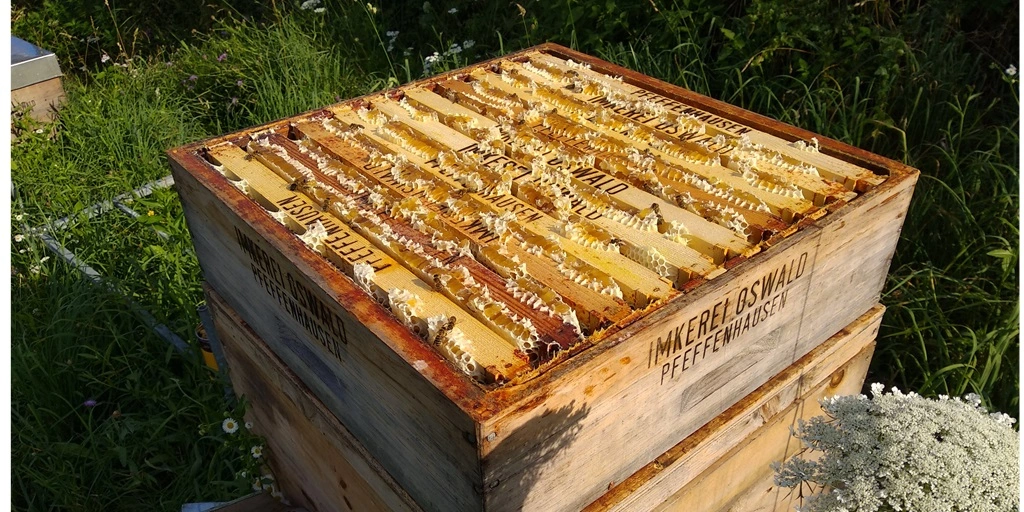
(104, 414)
(79, 33)
(110, 138)
(923, 83)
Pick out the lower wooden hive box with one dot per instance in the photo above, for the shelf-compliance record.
(518, 283)
(722, 466)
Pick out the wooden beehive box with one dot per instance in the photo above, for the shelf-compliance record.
(724, 465)
(518, 283)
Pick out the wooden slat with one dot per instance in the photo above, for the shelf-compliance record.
(635, 289)
(682, 475)
(346, 248)
(678, 262)
(705, 233)
(710, 238)
(819, 189)
(854, 177)
(782, 205)
(593, 309)
(551, 329)
(316, 460)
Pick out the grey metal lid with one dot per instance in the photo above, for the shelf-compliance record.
(31, 64)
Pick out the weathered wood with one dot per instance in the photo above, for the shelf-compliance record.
(853, 176)
(347, 249)
(44, 98)
(389, 389)
(316, 461)
(742, 480)
(658, 362)
(751, 434)
(322, 467)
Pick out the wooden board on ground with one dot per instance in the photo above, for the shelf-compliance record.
(652, 364)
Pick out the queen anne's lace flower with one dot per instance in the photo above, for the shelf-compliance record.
(904, 452)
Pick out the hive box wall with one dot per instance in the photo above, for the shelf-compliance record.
(634, 400)
(752, 433)
(314, 457)
(417, 434)
(321, 467)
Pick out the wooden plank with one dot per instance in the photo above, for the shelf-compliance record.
(711, 239)
(671, 260)
(537, 223)
(669, 183)
(785, 205)
(662, 365)
(44, 98)
(727, 486)
(814, 187)
(477, 350)
(854, 177)
(680, 477)
(707, 235)
(319, 468)
(592, 308)
(317, 462)
(640, 286)
(448, 259)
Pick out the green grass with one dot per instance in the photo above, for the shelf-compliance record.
(920, 83)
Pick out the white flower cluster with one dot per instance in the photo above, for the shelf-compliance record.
(905, 452)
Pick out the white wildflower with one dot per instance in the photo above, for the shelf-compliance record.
(320, 10)
(23, 251)
(309, 4)
(371, 8)
(248, 425)
(904, 452)
(452, 10)
(18, 238)
(18, 217)
(468, 43)
(105, 58)
(44, 259)
(256, 451)
(1012, 70)
(391, 33)
(229, 425)
(34, 269)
